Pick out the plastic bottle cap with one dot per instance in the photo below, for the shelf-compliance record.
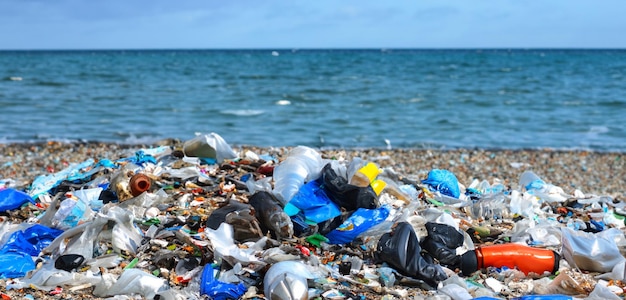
(378, 186)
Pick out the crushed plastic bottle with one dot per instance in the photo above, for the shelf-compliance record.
(360, 221)
(271, 215)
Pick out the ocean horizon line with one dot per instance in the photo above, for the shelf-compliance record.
(313, 49)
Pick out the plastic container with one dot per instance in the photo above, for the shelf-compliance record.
(490, 206)
(524, 258)
(301, 165)
(287, 280)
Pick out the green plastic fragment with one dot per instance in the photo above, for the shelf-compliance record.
(132, 263)
(316, 239)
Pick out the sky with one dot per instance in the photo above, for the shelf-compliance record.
(219, 24)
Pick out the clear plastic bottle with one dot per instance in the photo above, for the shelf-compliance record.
(301, 165)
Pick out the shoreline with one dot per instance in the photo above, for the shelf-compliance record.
(599, 173)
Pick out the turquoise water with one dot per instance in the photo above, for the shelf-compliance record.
(564, 99)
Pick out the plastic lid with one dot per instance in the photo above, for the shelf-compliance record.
(557, 260)
(469, 262)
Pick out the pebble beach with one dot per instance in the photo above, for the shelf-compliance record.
(600, 173)
(592, 173)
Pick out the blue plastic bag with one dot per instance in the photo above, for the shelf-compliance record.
(360, 221)
(11, 199)
(444, 182)
(315, 203)
(15, 255)
(218, 290)
(32, 240)
(14, 264)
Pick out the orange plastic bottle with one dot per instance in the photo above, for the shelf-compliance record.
(139, 183)
(524, 258)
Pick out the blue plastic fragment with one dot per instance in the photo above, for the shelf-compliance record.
(218, 290)
(11, 199)
(139, 159)
(599, 226)
(207, 160)
(360, 221)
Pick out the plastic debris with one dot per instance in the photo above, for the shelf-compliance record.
(11, 199)
(216, 289)
(199, 219)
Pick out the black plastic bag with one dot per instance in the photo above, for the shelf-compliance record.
(441, 243)
(401, 250)
(345, 194)
(69, 262)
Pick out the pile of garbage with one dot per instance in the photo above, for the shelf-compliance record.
(202, 221)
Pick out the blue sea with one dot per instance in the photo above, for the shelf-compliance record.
(443, 99)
